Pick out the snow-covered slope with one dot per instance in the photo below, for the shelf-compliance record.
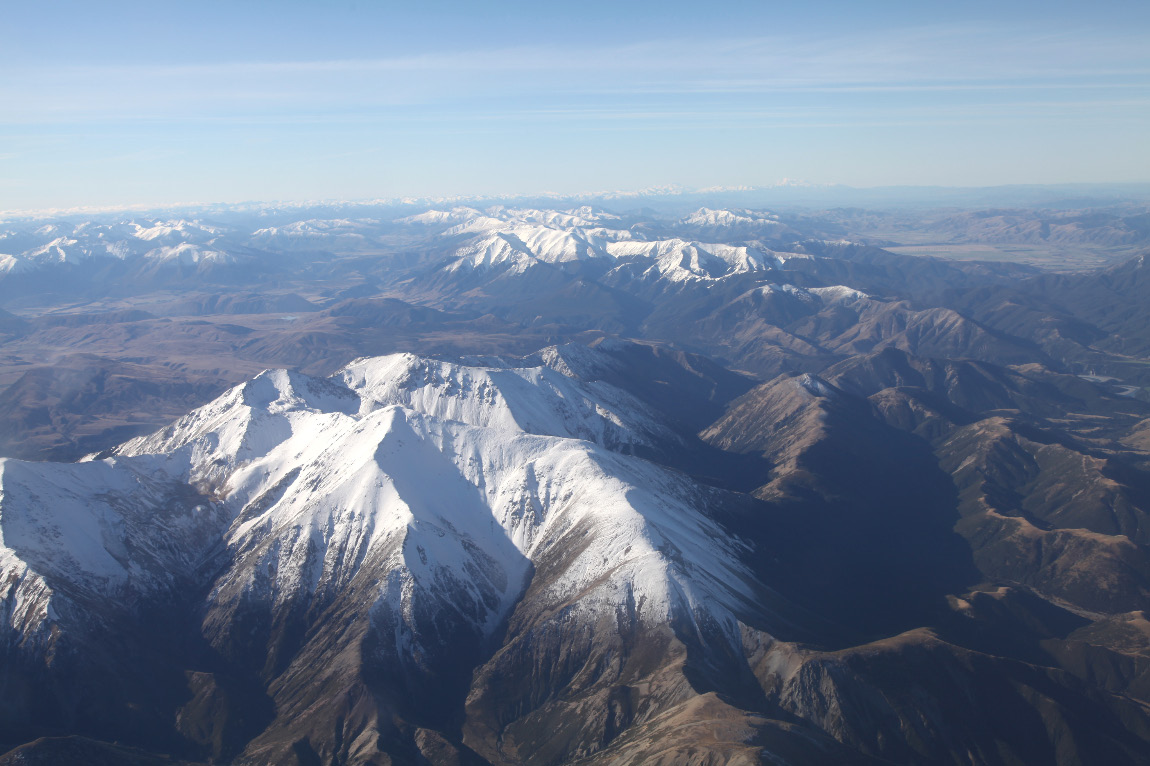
(326, 234)
(148, 240)
(487, 243)
(63, 250)
(175, 232)
(443, 483)
(75, 536)
(708, 217)
(676, 260)
(519, 247)
(188, 254)
(512, 241)
(462, 220)
(537, 399)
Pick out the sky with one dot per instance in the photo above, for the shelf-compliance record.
(164, 102)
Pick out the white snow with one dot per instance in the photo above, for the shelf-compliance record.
(175, 231)
(840, 293)
(517, 239)
(815, 295)
(446, 480)
(708, 217)
(10, 264)
(521, 246)
(803, 294)
(432, 217)
(189, 254)
(815, 385)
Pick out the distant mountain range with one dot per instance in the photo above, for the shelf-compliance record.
(785, 194)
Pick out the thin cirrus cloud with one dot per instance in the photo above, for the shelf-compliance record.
(925, 61)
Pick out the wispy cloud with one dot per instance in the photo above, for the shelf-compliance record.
(928, 60)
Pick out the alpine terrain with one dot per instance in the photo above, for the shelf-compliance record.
(601, 484)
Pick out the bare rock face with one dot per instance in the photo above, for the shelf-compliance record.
(938, 698)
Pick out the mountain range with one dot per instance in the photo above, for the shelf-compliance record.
(567, 486)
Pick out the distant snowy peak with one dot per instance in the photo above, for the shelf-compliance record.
(61, 250)
(708, 217)
(150, 241)
(10, 264)
(70, 251)
(800, 293)
(53, 230)
(451, 217)
(175, 231)
(498, 237)
(832, 294)
(518, 246)
(319, 227)
(188, 254)
(590, 213)
(460, 221)
(582, 217)
(480, 224)
(327, 234)
(838, 293)
(781, 304)
(494, 241)
(516, 239)
(678, 260)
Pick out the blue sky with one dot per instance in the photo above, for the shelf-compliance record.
(165, 102)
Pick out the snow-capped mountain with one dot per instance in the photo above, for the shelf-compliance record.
(462, 220)
(441, 498)
(708, 217)
(502, 242)
(519, 247)
(676, 260)
(146, 242)
(318, 234)
(494, 240)
(407, 448)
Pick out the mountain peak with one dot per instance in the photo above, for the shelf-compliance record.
(816, 386)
